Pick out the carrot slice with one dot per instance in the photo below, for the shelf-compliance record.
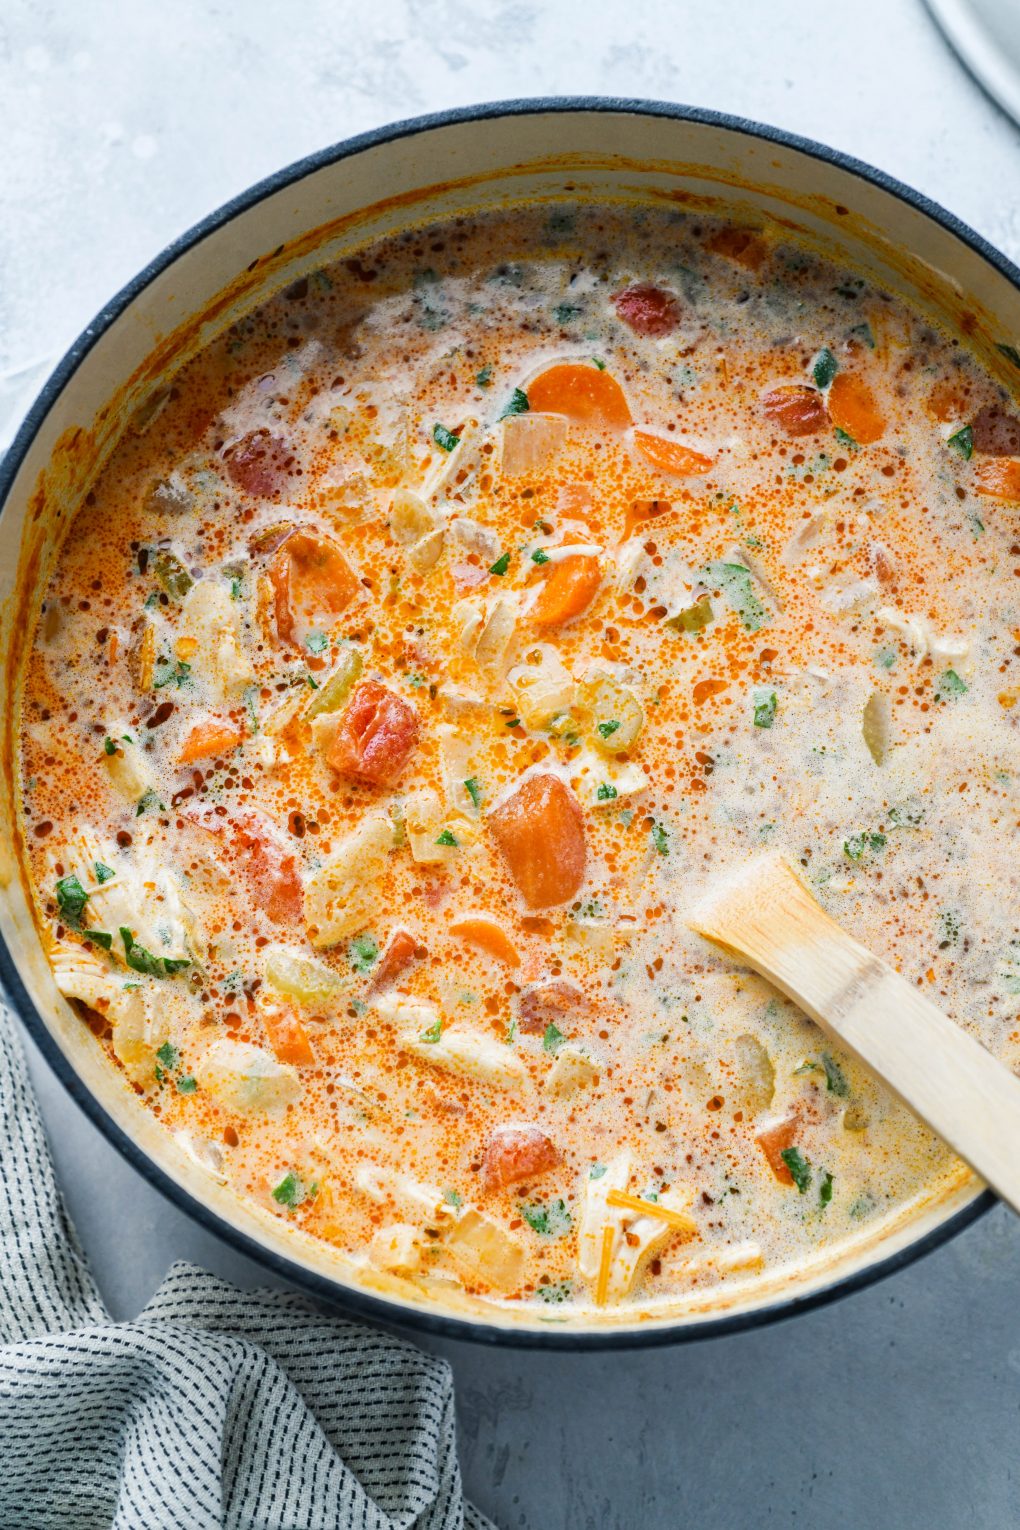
(311, 574)
(625, 1202)
(854, 409)
(998, 478)
(670, 456)
(480, 930)
(569, 589)
(605, 1260)
(582, 393)
(208, 739)
(288, 1037)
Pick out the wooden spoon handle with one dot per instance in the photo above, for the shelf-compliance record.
(770, 919)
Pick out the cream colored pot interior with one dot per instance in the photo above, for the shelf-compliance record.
(326, 211)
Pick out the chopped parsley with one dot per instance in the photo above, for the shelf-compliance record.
(765, 710)
(607, 729)
(824, 368)
(452, 1198)
(148, 799)
(516, 404)
(316, 642)
(445, 439)
(555, 1292)
(187, 1084)
(169, 1056)
(1010, 352)
(100, 938)
(606, 792)
(799, 1167)
(362, 952)
(950, 686)
(103, 873)
(885, 658)
(907, 815)
(962, 441)
(597, 361)
(290, 1192)
(109, 746)
(553, 1038)
(825, 1188)
(71, 899)
(433, 1033)
(565, 313)
(540, 555)
(660, 839)
(552, 1219)
(862, 332)
(474, 790)
(170, 672)
(484, 377)
(846, 439)
(949, 928)
(447, 837)
(835, 1078)
(141, 960)
(858, 845)
(501, 564)
(734, 579)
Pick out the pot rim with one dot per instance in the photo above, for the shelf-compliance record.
(349, 1298)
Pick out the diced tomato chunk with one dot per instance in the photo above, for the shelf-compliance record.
(548, 1003)
(261, 859)
(311, 579)
(287, 1036)
(774, 1141)
(375, 736)
(648, 310)
(260, 463)
(398, 954)
(272, 869)
(996, 432)
(797, 409)
(540, 830)
(512, 1153)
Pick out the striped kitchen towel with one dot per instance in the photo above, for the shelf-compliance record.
(215, 1407)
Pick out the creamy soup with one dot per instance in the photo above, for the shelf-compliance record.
(426, 646)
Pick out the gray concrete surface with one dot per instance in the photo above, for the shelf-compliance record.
(122, 124)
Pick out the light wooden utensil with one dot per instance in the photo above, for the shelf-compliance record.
(766, 916)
